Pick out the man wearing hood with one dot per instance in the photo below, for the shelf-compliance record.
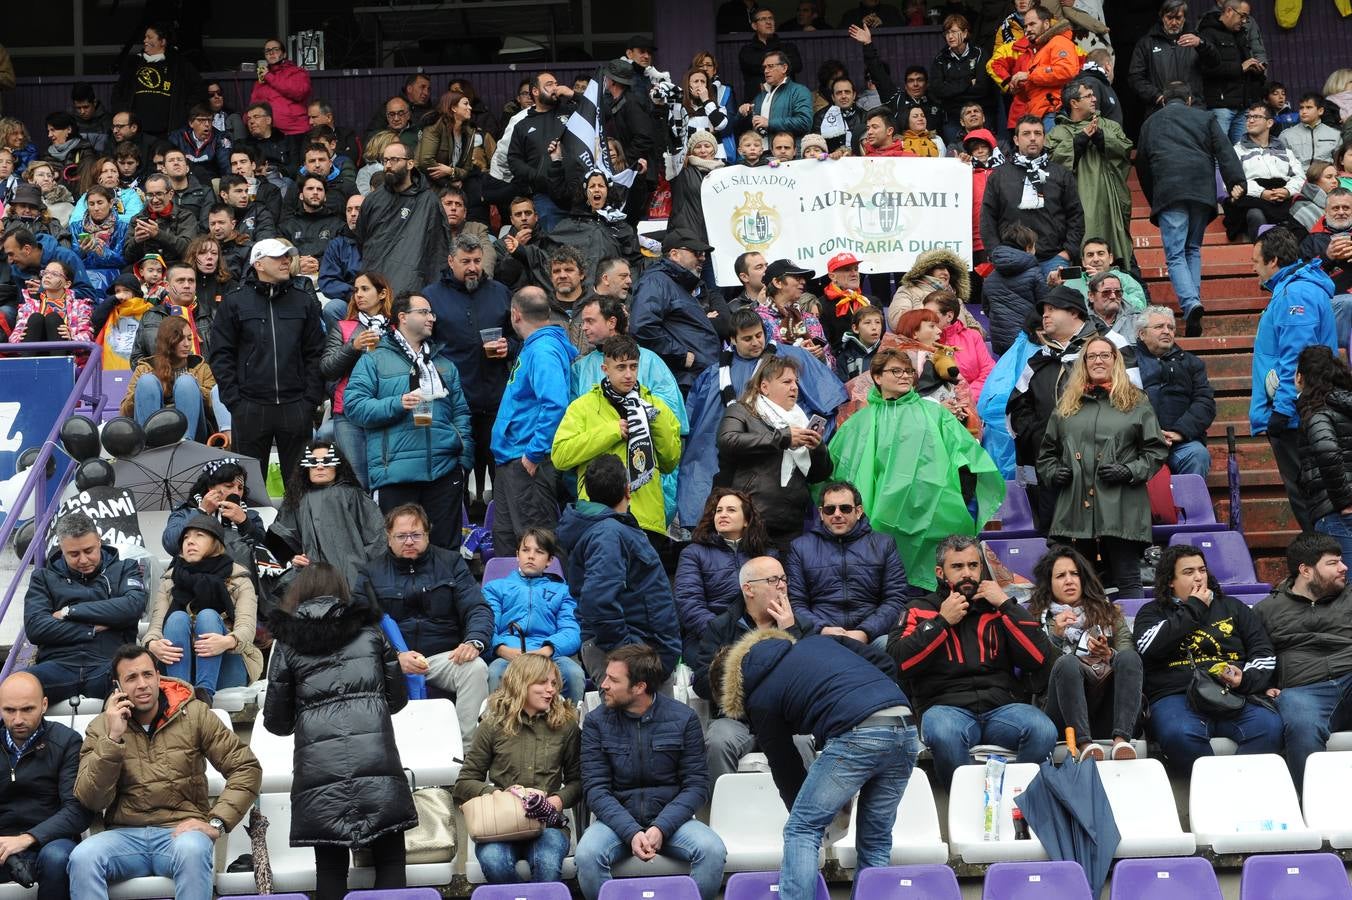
(526, 486)
(1098, 152)
(467, 302)
(1298, 316)
(859, 717)
(79, 608)
(402, 230)
(624, 595)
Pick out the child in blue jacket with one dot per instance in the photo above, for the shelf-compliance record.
(533, 612)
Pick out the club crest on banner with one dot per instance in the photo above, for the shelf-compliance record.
(755, 223)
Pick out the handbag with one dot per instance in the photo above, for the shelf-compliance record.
(433, 839)
(499, 816)
(1209, 697)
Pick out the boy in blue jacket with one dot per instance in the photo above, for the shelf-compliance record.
(533, 612)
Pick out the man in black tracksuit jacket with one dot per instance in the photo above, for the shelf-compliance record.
(266, 346)
(957, 649)
(40, 819)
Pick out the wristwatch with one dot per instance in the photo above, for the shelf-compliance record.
(218, 823)
(477, 645)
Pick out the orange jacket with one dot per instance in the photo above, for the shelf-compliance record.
(1055, 63)
(1017, 58)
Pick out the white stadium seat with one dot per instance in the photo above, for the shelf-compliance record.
(1328, 785)
(965, 812)
(1247, 804)
(915, 834)
(749, 816)
(1143, 804)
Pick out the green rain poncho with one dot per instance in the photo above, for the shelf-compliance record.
(904, 455)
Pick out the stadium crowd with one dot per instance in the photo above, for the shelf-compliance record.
(780, 484)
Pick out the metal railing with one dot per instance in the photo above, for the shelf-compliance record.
(80, 395)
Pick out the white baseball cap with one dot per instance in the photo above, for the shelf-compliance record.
(270, 248)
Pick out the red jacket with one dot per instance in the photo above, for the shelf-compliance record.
(286, 88)
(1020, 57)
(1055, 63)
(896, 148)
(979, 176)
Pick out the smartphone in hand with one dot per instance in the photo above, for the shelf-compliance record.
(817, 424)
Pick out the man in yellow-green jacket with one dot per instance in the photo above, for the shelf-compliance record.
(622, 418)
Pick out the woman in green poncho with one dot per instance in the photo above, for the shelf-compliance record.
(914, 464)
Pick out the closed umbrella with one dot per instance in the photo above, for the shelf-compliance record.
(1068, 808)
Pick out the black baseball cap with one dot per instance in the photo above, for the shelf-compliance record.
(781, 267)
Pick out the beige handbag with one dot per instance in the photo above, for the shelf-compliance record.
(433, 840)
(499, 816)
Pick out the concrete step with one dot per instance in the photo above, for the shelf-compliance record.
(1162, 291)
(1149, 237)
(1206, 346)
(1154, 274)
(1212, 254)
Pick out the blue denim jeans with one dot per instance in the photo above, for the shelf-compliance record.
(1047, 266)
(1310, 713)
(49, 864)
(873, 762)
(61, 681)
(1342, 318)
(149, 399)
(1190, 458)
(351, 440)
(1185, 736)
(951, 732)
(122, 853)
(1182, 229)
(1232, 123)
(545, 855)
(225, 670)
(548, 211)
(574, 679)
(694, 842)
(332, 312)
(1338, 527)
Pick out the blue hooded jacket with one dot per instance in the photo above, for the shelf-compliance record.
(623, 593)
(540, 606)
(535, 399)
(1299, 315)
(52, 249)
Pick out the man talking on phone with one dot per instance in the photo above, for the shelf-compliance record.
(957, 650)
(144, 765)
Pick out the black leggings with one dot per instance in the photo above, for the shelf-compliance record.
(43, 328)
(331, 865)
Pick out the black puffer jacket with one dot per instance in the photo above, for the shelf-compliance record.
(1326, 456)
(433, 599)
(335, 681)
(1225, 84)
(1179, 390)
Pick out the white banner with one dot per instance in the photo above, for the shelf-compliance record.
(885, 210)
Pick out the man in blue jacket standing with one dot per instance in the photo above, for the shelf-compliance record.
(526, 484)
(859, 717)
(644, 776)
(79, 609)
(1299, 315)
(407, 398)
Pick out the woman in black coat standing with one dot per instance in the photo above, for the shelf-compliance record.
(335, 682)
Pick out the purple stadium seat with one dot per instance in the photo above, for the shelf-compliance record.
(929, 882)
(270, 897)
(1167, 878)
(488, 526)
(664, 887)
(1018, 554)
(114, 388)
(502, 566)
(1192, 499)
(1228, 558)
(542, 890)
(1309, 876)
(1053, 880)
(762, 886)
(416, 893)
(1131, 607)
(1015, 515)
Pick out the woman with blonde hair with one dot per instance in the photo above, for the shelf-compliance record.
(60, 204)
(14, 137)
(1102, 444)
(372, 152)
(529, 741)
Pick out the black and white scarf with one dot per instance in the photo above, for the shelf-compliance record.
(726, 392)
(639, 456)
(377, 322)
(1035, 170)
(429, 379)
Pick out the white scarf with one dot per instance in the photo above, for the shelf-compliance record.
(152, 57)
(429, 379)
(833, 123)
(776, 417)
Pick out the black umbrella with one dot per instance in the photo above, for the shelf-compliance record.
(1068, 808)
(1232, 479)
(160, 479)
